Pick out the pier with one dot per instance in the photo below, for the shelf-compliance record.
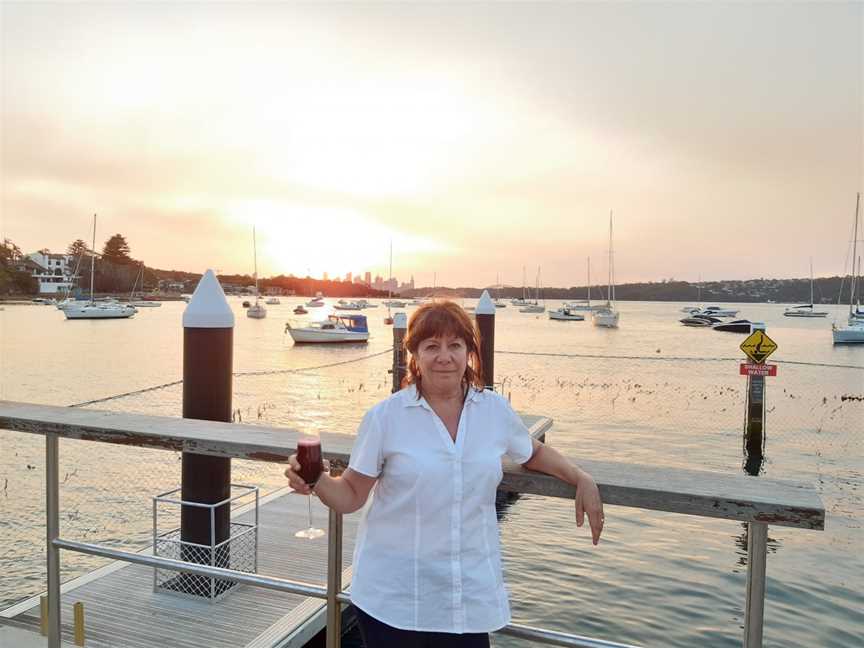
(123, 605)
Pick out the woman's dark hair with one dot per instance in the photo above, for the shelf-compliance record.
(434, 320)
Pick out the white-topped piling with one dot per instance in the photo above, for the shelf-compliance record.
(484, 314)
(400, 327)
(208, 343)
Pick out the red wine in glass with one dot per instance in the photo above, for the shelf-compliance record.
(311, 465)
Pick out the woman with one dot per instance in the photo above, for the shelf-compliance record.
(427, 565)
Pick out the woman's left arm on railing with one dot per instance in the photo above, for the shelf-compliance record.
(548, 460)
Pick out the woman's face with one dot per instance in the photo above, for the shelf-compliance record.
(442, 362)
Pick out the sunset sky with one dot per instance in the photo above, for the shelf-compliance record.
(726, 138)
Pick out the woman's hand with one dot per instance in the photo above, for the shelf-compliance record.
(588, 502)
(295, 481)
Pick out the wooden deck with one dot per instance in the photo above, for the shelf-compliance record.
(122, 609)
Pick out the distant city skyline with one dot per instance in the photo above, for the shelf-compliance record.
(477, 138)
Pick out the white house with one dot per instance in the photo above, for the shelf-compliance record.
(55, 273)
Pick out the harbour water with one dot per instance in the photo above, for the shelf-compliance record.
(652, 392)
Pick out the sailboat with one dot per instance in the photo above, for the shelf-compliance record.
(520, 301)
(534, 306)
(389, 319)
(499, 303)
(142, 303)
(606, 315)
(93, 309)
(256, 310)
(584, 305)
(806, 310)
(853, 332)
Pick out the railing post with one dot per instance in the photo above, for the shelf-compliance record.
(400, 326)
(52, 526)
(757, 546)
(334, 580)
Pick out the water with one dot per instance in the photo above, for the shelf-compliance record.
(671, 397)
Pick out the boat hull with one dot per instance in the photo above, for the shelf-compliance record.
(805, 314)
(566, 317)
(848, 334)
(605, 318)
(532, 309)
(304, 336)
(98, 312)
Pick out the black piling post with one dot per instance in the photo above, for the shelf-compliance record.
(400, 327)
(208, 343)
(484, 314)
(754, 422)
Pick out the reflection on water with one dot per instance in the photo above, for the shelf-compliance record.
(655, 579)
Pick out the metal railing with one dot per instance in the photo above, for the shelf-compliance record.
(679, 491)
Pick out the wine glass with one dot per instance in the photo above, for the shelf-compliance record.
(311, 465)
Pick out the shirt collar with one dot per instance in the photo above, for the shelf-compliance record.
(409, 397)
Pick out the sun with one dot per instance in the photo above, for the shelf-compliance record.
(311, 240)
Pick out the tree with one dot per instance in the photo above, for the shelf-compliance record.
(77, 248)
(11, 280)
(116, 250)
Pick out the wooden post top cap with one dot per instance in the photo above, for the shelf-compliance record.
(208, 307)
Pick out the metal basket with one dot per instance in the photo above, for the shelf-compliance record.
(239, 551)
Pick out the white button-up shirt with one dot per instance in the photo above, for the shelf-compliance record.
(427, 555)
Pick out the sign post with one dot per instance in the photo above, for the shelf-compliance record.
(758, 346)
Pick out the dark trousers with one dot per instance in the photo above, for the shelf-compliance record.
(380, 635)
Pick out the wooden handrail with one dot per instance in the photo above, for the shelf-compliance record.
(674, 490)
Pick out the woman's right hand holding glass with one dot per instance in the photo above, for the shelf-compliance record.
(295, 481)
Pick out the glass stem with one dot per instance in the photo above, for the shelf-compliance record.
(310, 511)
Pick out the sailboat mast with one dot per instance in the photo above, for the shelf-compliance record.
(589, 282)
(811, 282)
(255, 261)
(611, 293)
(93, 259)
(854, 254)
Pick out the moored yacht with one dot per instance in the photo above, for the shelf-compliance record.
(853, 332)
(335, 329)
(606, 315)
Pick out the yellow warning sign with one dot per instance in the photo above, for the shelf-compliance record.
(758, 346)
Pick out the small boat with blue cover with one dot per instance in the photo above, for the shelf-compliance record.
(336, 328)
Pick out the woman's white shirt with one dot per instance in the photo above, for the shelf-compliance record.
(427, 555)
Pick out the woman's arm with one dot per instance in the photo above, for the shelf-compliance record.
(548, 460)
(344, 494)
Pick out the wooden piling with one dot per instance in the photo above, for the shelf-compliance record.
(208, 340)
(484, 314)
(400, 327)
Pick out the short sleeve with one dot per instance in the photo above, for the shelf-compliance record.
(520, 446)
(367, 455)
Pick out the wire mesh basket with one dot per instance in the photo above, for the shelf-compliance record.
(239, 551)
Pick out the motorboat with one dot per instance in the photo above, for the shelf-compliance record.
(336, 328)
(347, 305)
(315, 302)
(299, 310)
(145, 303)
(606, 315)
(738, 326)
(256, 310)
(498, 303)
(363, 304)
(566, 314)
(806, 310)
(702, 321)
(97, 309)
(43, 301)
(272, 301)
(394, 303)
(853, 332)
(717, 311)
